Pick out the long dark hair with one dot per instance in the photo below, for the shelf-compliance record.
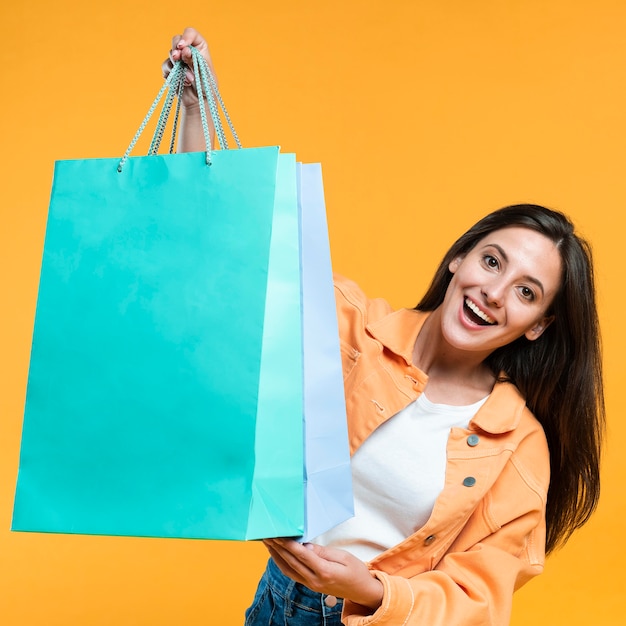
(560, 374)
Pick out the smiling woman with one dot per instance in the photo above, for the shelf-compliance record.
(475, 423)
(561, 375)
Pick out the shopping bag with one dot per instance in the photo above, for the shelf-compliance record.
(328, 478)
(276, 454)
(140, 414)
(165, 390)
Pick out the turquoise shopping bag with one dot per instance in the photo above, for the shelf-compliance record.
(146, 356)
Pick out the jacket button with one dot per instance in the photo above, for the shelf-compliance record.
(470, 481)
(429, 540)
(473, 440)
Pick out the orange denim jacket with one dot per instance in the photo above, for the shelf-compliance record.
(486, 535)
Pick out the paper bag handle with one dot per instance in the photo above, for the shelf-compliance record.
(206, 86)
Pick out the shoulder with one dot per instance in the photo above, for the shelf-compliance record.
(352, 301)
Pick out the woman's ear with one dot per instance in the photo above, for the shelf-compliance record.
(537, 330)
(453, 266)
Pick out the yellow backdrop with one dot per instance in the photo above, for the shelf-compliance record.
(426, 114)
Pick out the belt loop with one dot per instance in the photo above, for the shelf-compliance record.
(323, 607)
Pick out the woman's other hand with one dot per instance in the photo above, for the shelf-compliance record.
(327, 570)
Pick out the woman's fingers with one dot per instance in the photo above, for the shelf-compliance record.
(181, 51)
(166, 67)
(303, 563)
(283, 565)
(290, 558)
(191, 37)
(175, 51)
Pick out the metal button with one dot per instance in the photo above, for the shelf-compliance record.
(470, 481)
(429, 540)
(473, 440)
(330, 601)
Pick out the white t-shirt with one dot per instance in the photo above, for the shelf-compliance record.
(397, 475)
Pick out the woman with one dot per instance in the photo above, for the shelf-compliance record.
(475, 423)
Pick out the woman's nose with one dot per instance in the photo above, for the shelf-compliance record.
(493, 293)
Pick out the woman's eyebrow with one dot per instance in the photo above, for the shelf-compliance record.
(503, 254)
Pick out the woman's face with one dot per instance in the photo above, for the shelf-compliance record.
(501, 289)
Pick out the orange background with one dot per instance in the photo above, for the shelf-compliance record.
(425, 115)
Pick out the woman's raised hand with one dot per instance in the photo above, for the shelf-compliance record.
(191, 138)
(180, 52)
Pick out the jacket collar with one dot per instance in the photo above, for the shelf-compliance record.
(502, 411)
(398, 331)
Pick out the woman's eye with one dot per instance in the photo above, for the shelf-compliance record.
(491, 261)
(527, 293)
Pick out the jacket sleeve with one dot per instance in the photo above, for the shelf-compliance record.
(471, 588)
(499, 548)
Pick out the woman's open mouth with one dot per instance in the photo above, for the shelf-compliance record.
(476, 315)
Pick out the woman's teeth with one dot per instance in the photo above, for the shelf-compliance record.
(481, 314)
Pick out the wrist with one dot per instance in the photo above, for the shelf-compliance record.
(191, 108)
(372, 597)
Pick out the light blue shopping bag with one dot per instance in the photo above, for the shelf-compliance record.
(328, 479)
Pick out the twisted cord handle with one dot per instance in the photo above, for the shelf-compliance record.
(206, 87)
(163, 117)
(212, 93)
(173, 76)
(217, 124)
(179, 97)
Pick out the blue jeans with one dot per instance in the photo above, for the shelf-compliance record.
(279, 601)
